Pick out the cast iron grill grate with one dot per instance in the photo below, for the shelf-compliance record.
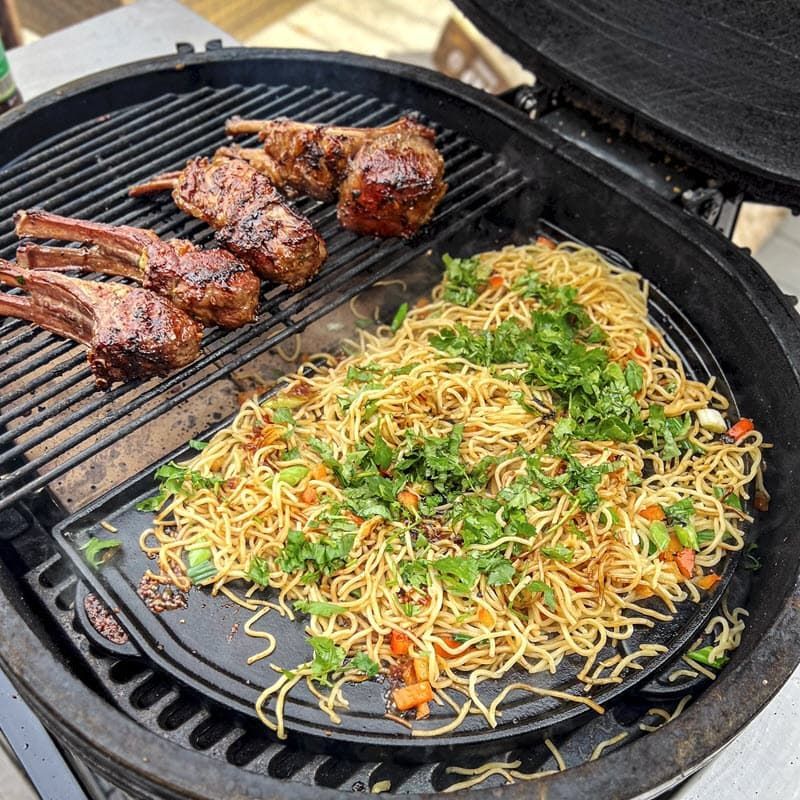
(162, 705)
(51, 416)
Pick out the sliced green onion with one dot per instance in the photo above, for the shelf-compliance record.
(687, 536)
(702, 656)
(400, 316)
(659, 535)
(198, 556)
(202, 572)
(293, 475)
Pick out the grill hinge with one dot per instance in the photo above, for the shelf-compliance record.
(676, 181)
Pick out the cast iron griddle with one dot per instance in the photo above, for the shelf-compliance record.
(717, 82)
(205, 647)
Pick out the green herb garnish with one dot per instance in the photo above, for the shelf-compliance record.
(399, 317)
(363, 663)
(328, 659)
(94, 547)
(319, 608)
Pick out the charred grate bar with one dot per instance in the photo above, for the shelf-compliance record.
(51, 416)
(161, 704)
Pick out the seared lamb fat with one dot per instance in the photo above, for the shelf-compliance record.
(210, 285)
(130, 332)
(249, 215)
(388, 180)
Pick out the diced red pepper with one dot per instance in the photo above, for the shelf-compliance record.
(685, 561)
(737, 431)
(544, 241)
(412, 696)
(399, 643)
(496, 281)
(709, 581)
(653, 513)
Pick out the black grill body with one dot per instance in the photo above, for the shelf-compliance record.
(133, 722)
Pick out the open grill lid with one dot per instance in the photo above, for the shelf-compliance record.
(715, 83)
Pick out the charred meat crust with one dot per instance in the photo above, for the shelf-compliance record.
(251, 219)
(211, 285)
(388, 180)
(130, 332)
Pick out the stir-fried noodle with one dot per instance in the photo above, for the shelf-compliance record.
(499, 483)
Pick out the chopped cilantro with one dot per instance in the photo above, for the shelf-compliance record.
(328, 659)
(258, 571)
(315, 558)
(363, 663)
(548, 595)
(319, 608)
(464, 279)
(95, 546)
(558, 553)
(283, 416)
(176, 479)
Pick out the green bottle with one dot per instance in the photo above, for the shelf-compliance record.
(9, 94)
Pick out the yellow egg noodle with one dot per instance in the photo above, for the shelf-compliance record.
(456, 500)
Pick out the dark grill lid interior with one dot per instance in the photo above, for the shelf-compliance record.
(717, 83)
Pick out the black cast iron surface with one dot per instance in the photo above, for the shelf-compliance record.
(715, 82)
(732, 304)
(52, 417)
(205, 647)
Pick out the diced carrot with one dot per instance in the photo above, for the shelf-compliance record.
(496, 281)
(672, 549)
(421, 669)
(447, 648)
(709, 581)
(642, 592)
(309, 495)
(544, 241)
(408, 499)
(319, 472)
(423, 711)
(737, 431)
(409, 675)
(399, 643)
(653, 513)
(485, 617)
(685, 562)
(407, 697)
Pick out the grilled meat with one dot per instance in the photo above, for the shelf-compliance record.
(388, 180)
(130, 332)
(213, 286)
(249, 215)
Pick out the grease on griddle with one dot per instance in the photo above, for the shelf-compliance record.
(159, 596)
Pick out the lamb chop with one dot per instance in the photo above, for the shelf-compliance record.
(210, 285)
(130, 332)
(388, 180)
(249, 215)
